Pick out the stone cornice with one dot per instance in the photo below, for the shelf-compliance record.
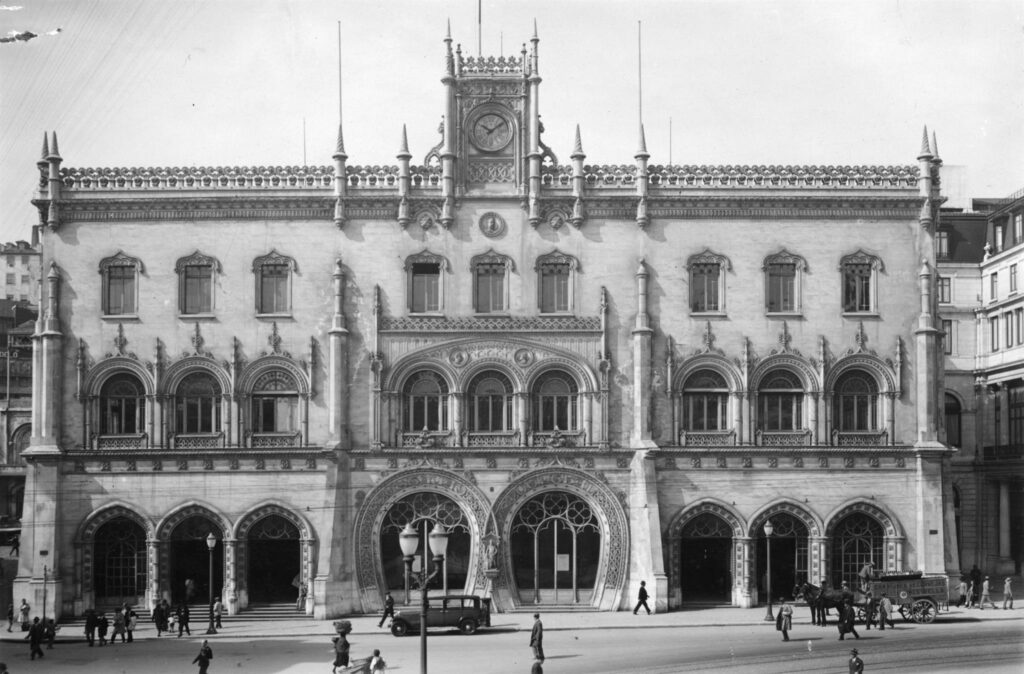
(504, 324)
(197, 207)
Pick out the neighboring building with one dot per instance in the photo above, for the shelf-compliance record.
(20, 266)
(591, 375)
(985, 380)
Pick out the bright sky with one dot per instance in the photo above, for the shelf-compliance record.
(229, 82)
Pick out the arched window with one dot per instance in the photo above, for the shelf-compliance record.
(953, 411)
(781, 401)
(122, 406)
(856, 402)
(120, 560)
(197, 404)
(426, 402)
(490, 402)
(554, 399)
(705, 401)
(857, 540)
(275, 403)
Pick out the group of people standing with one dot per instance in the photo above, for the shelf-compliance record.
(124, 622)
(978, 593)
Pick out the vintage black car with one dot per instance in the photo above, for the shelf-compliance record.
(467, 612)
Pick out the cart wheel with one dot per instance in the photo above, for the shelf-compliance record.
(924, 610)
(905, 611)
(467, 626)
(399, 628)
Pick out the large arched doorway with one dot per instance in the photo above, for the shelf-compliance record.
(274, 560)
(705, 573)
(119, 563)
(423, 510)
(857, 539)
(190, 560)
(790, 557)
(556, 549)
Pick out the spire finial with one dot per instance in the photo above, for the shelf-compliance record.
(643, 143)
(403, 151)
(577, 148)
(54, 152)
(935, 147)
(926, 151)
(448, 34)
(46, 146)
(339, 150)
(534, 38)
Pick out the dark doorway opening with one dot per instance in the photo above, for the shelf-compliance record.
(274, 560)
(784, 568)
(705, 573)
(190, 561)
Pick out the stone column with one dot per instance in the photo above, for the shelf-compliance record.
(153, 594)
(1004, 519)
(829, 421)
(817, 569)
(229, 596)
(737, 416)
(752, 416)
(455, 400)
(587, 401)
(744, 595)
(523, 412)
(890, 416)
(812, 415)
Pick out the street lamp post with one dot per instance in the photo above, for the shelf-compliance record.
(768, 529)
(211, 543)
(409, 542)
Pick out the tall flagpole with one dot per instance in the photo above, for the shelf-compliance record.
(339, 71)
(670, 141)
(479, 28)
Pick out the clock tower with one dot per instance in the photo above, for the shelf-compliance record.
(491, 144)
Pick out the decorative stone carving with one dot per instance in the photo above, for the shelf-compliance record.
(523, 357)
(695, 462)
(458, 357)
(492, 225)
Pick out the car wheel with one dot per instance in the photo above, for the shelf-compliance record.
(467, 626)
(399, 628)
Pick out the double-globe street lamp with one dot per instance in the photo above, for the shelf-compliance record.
(409, 541)
(211, 543)
(768, 529)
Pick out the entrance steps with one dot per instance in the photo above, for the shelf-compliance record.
(272, 612)
(552, 608)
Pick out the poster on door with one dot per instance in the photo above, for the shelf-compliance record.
(561, 562)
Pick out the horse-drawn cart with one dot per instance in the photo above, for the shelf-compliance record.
(918, 598)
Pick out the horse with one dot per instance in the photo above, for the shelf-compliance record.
(821, 601)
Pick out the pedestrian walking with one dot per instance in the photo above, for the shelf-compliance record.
(15, 542)
(972, 595)
(389, 609)
(23, 615)
(300, 602)
(50, 632)
(784, 621)
(118, 628)
(10, 617)
(35, 636)
(102, 625)
(642, 598)
(131, 624)
(961, 590)
(161, 617)
(856, 664)
(885, 612)
(218, 610)
(204, 657)
(341, 648)
(1007, 594)
(182, 615)
(90, 626)
(537, 638)
(847, 621)
(985, 598)
(975, 575)
(377, 663)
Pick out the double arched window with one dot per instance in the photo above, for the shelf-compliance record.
(554, 399)
(275, 403)
(122, 406)
(780, 397)
(490, 402)
(426, 402)
(856, 402)
(197, 404)
(705, 401)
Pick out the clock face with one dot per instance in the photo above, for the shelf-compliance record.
(491, 133)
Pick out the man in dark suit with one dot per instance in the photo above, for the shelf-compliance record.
(389, 609)
(856, 664)
(642, 598)
(537, 638)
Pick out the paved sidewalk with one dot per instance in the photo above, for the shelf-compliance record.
(236, 627)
